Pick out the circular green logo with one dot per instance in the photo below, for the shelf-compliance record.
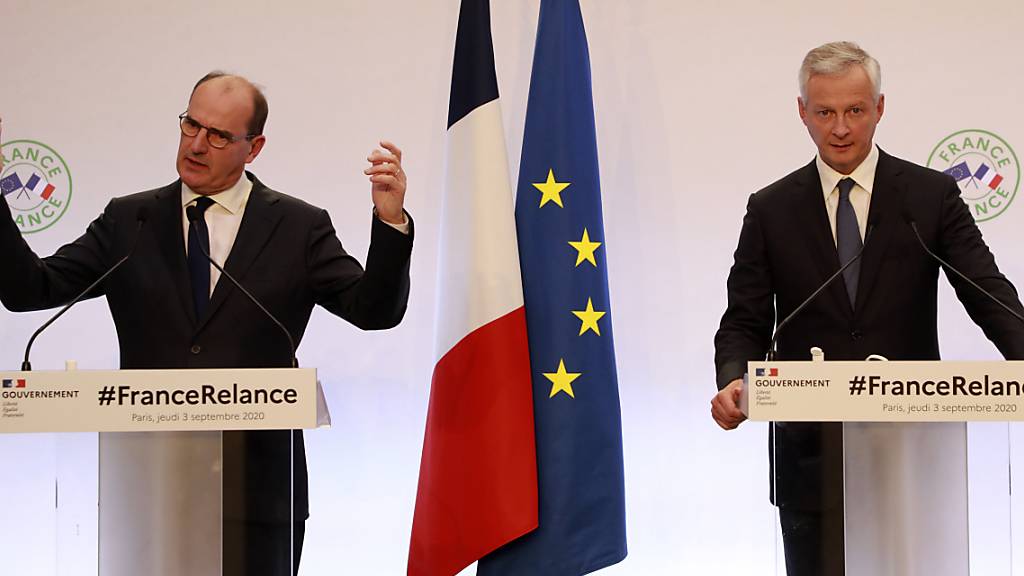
(36, 184)
(985, 168)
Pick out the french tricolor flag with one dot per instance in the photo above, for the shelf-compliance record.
(37, 186)
(988, 176)
(478, 472)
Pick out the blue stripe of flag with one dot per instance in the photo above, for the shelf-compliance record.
(474, 81)
(32, 181)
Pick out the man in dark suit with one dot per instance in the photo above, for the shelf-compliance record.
(171, 309)
(796, 233)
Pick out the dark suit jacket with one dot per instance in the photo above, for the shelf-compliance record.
(286, 253)
(786, 251)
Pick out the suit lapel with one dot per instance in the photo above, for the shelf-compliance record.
(258, 223)
(887, 199)
(819, 232)
(171, 239)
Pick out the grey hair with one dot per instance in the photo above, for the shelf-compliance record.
(836, 58)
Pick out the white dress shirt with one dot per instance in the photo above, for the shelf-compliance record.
(863, 177)
(224, 217)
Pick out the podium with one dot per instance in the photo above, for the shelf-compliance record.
(904, 450)
(152, 498)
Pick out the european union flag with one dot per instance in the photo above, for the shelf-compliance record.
(562, 252)
(10, 183)
(959, 172)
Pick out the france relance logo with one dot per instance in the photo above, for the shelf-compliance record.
(985, 168)
(36, 184)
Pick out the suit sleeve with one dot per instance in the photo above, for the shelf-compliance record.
(28, 282)
(374, 298)
(960, 243)
(746, 328)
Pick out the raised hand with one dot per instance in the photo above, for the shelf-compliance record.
(387, 182)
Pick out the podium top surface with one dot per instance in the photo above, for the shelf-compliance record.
(160, 400)
(884, 391)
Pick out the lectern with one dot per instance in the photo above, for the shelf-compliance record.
(905, 449)
(154, 502)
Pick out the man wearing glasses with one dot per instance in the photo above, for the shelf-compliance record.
(172, 311)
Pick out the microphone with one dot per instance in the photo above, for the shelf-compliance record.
(947, 266)
(194, 216)
(867, 236)
(141, 216)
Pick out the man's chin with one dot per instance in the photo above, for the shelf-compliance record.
(190, 180)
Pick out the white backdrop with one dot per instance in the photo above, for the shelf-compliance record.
(696, 109)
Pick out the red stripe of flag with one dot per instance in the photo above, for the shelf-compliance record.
(478, 475)
(47, 192)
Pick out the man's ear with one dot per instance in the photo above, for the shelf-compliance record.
(256, 145)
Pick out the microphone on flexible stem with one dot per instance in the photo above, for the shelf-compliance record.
(946, 265)
(141, 216)
(867, 236)
(194, 215)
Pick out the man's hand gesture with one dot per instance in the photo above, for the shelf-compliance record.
(387, 183)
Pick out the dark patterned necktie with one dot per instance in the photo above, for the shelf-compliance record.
(848, 240)
(198, 265)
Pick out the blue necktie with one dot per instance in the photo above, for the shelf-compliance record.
(198, 265)
(848, 240)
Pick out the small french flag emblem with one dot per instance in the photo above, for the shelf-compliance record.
(43, 189)
(988, 176)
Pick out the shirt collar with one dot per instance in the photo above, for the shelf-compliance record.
(233, 199)
(863, 175)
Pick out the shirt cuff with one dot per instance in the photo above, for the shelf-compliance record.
(403, 227)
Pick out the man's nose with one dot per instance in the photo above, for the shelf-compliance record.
(840, 129)
(199, 143)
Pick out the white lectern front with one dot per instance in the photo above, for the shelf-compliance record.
(905, 481)
(160, 472)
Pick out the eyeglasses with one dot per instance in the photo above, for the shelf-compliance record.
(216, 138)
